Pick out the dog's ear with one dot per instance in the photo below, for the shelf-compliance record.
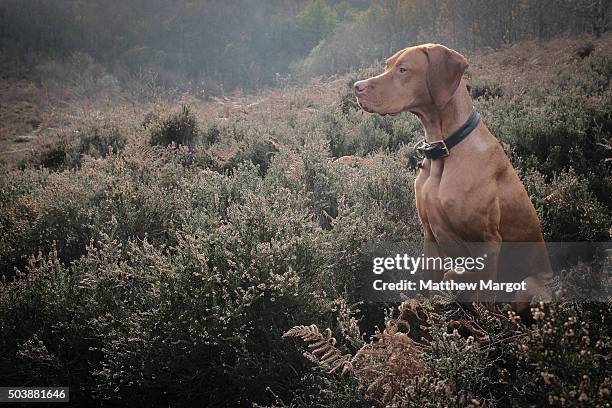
(446, 67)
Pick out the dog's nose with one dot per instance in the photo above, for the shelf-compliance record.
(360, 86)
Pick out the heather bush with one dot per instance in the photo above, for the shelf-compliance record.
(562, 202)
(572, 335)
(585, 50)
(257, 151)
(484, 89)
(151, 313)
(591, 75)
(357, 134)
(563, 126)
(138, 322)
(212, 135)
(68, 208)
(65, 149)
(180, 128)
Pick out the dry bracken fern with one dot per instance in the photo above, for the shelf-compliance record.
(322, 348)
(381, 366)
(390, 360)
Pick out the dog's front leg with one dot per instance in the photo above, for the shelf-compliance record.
(488, 253)
(431, 249)
(476, 221)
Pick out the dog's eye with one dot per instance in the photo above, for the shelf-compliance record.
(403, 70)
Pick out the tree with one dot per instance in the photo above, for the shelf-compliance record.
(315, 22)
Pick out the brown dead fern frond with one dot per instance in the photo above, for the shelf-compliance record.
(391, 359)
(322, 348)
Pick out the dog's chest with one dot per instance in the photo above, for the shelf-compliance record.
(441, 209)
(429, 202)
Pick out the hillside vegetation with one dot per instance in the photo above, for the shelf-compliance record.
(154, 254)
(209, 47)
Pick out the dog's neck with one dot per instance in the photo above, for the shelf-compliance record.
(441, 122)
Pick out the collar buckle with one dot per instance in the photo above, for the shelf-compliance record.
(433, 150)
(445, 152)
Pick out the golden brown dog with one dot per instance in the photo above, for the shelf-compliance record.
(474, 193)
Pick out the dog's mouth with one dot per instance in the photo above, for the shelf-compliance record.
(366, 104)
(372, 107)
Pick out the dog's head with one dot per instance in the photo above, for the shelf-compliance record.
(414, 77)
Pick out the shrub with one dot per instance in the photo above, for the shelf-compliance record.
(564, 125)
(122, 337)
(585, 50)
(568, 211)
(360, 134)
(574, 332)
(55, 155)
(590, 76)
(149, 312)
(68, 208)
(213, 135)
(179, 128)
(101, 140)
(348, 102)
(484, 90)
(94, 137)
(258, 152)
